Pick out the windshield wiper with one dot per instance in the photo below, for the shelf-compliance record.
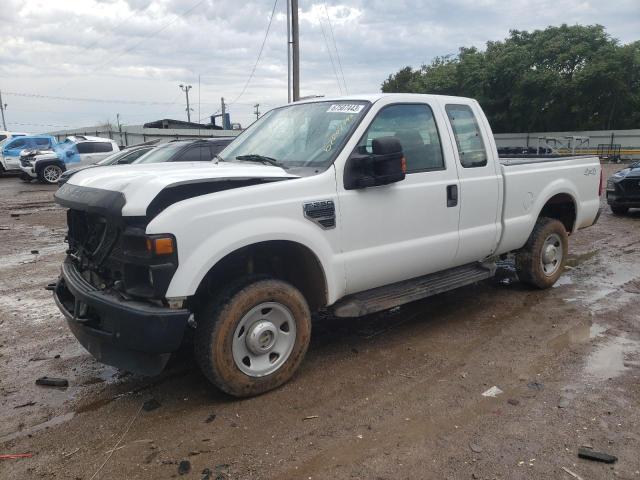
(253, 157)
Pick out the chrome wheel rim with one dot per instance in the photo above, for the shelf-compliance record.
(551, 255)
(51, 173)
(264, 339)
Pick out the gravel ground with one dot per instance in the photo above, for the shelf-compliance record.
(390, 396)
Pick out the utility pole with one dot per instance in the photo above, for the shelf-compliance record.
(257, 112)
(2, 108)
(185, 89)
(295, 50)
(223, 109)
(288, 51)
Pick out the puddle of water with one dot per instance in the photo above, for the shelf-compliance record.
(575, 260)
(608, 360)
(578, 334)
(563, 280)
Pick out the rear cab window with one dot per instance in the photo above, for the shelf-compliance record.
(471, 148)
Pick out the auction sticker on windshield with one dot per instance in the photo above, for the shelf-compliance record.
(345, 108)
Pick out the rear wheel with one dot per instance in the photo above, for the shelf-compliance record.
(50, 174)
(252, 337)
(541, 261)
(619, 210)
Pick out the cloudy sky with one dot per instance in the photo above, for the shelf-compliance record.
(128, 56)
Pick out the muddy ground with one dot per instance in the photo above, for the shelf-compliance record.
(390, 396)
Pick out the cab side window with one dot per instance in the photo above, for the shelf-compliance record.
(196, 154)
(85, 147)
(415, 127)
(469, 141)
(21, 143)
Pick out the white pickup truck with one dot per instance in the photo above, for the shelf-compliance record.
(351, 205)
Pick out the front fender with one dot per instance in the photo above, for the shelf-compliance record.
(194, 264)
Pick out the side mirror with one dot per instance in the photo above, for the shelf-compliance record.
(386, 164)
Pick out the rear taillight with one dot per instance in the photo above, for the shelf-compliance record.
(601, 188)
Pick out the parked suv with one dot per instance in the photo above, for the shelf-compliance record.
(47, 165)
(123, 157)
(199, 150)
(623, 189)
(13, 148)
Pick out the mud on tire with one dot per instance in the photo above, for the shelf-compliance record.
(541, 261)
(220, 323)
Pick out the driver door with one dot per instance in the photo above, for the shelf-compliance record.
(409, 228)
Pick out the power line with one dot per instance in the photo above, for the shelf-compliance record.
(333, 66)
(137, 44)
(253, 70)
(91, 100)
(326, 11)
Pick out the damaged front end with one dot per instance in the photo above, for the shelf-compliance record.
(113, 283)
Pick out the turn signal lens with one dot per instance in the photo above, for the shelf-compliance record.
(161, 246)
(403, 164)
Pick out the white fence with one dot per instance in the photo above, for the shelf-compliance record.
(135, 134)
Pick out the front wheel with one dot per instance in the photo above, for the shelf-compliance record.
(541, 261)
(50, 174)
(619, 210)
(252, 337)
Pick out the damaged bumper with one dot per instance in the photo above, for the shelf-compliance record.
(130, 335)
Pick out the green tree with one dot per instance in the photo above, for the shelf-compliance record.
(560, 78)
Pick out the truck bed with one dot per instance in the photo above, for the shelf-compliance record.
(530, 181)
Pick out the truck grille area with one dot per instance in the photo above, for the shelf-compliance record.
(92, 240)
(110, 254)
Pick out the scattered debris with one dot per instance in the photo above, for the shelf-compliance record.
(35, 252)
(535, 385)
(184, 467)
(150, 405)
(492, 392)
(15, 215)
(210, 418)
(149, 458)
(11, 456)
(67, 455)
(563, 402)
(406, 375)
(589, 454)
(574, 475)
(206, 474)
(513, 401)
(52, 382)
(28, 404)
(311, 417)
(124, 434)
(475, 447)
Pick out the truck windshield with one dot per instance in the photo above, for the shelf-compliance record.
(303, 135)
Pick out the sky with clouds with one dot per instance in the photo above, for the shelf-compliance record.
(137, 52)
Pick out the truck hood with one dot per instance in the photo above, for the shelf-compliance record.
(146, 189)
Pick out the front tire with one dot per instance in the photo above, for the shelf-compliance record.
(619, 210)
(252, 337)
(541, 261)
(50, 174)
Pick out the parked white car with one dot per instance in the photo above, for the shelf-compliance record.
(353, 205)
(4, 135)
(48, 165)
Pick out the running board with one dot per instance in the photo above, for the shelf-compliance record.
(389, 296)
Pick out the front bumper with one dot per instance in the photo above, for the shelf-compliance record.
(29, 170)
(131, 335)
(616, 200)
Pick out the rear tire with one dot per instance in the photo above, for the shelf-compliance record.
(619, 210)
(541, 261)
(50, 174)
(252, 337)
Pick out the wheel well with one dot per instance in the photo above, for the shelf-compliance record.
(284, 260)
(561, 207)
(40, 165)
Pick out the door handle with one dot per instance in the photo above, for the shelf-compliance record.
(452, 195)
